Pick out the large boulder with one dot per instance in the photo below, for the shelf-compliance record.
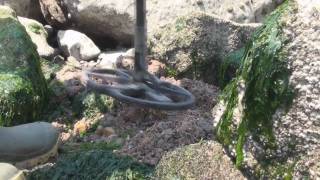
(269, 115)
(195, 45)
(25, 8)
(205, 160)
(38, 36)
(23, 89)
(116, 18)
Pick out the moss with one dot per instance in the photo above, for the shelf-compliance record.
(35, 28)
(229, 66)
(50, 68)
(23, 85)
(171, 72)
(94, 161)
(90, 104)
(266, 80)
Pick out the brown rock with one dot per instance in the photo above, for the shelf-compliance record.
(156, 68)
(80, 127)
(54, 12)
(107, 131)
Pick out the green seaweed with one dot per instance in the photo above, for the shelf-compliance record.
(35, 28)
(94, 161)
(265, 76)
(228, 67)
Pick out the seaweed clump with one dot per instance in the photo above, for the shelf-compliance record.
(260, 88)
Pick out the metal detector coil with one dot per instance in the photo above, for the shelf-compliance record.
(138, 87)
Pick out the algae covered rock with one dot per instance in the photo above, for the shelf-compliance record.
(268, 116)
(205, 160)
(23, 89)
(196, 44)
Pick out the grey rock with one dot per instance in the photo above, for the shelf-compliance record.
(78, 45)
(195, 44)
(296, 127)
(25, 8)
(109, 60)
(116, 19)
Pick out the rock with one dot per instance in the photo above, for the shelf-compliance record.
(24, 8)
(270, 112)
(125, 62)
(109, 60)
(156, 68)
(195, 45)
(205, 160)
(80, 127)
(309, 165)
(112, 19)
(49, 29)
(78, 45)
(105, 131)
(23, 89)
(65, 137)
(55, 13)
(115, 19)
(39, 37)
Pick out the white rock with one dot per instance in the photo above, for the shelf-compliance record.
(38, 36)
(108, 60)
(78, 45)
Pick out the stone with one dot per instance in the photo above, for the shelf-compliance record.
(204, 160)
(24, 8)
(39, 37)
(115, 19)
(78, 45)
(23, 89)
(105, 131)
(55, 13)
(103, 19)
(156, 68)
(195, 45)
(80, 127)
(269, 112)
(108, 60)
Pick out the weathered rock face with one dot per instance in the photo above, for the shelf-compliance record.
(204, 160)
(112, 19)
(78, 45)
(25, 8)
(38, 36)
(196, 44)
(116, 18)
(270, 112)
(23, 89)
(55, 13)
